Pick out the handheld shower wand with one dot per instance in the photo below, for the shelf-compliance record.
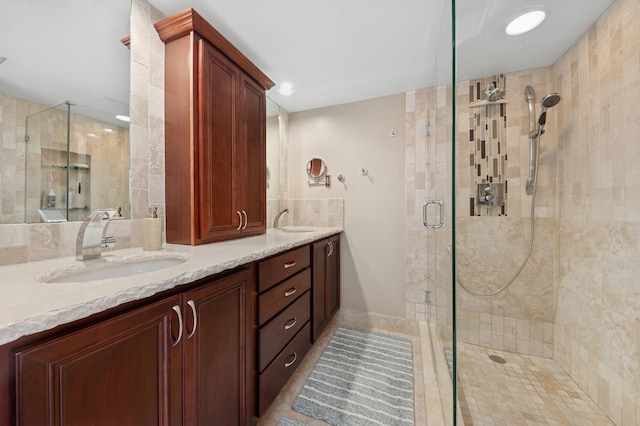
(547, 102)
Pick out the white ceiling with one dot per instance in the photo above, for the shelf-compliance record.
(333, 51)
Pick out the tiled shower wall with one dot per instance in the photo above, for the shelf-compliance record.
(597, 324)
(489, 248)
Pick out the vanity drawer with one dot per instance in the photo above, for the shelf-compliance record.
(278, 297)
(273, 379)
(282, 266)
(281, 329)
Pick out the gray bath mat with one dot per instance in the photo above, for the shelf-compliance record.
(362, 378)
(288, 422)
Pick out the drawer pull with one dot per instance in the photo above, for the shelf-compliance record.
(290, 363)
(290, 323)
(290, 291)
(289, 265)
(178, 312)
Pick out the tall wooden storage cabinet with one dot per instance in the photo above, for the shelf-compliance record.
(215, 135)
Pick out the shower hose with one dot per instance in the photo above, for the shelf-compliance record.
(524, 262)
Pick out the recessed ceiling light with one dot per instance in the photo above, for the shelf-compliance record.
(123, 118)
(526, 22)
(286, 89)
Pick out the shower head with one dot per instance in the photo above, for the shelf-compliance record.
(550, 100)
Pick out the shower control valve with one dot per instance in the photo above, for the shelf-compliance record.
(490, 194)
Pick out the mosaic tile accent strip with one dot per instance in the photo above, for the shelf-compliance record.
(487, 139)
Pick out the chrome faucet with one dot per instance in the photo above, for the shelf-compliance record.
(276, 221)
(92, 234)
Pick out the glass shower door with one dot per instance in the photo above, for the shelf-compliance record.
(47, 165)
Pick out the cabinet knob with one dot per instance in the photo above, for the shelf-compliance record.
(244, 213)
(289, 265)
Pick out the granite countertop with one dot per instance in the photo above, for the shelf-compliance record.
(31, 304)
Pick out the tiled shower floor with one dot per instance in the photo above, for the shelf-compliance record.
(527, 390)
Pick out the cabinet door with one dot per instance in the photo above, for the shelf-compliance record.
(218, 355)
(326, 283)
(332, 276)
(252, 143)
(117, 372)
(220, 211)
(319, 300)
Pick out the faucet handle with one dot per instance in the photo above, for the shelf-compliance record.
(101, 214)
(108, 242)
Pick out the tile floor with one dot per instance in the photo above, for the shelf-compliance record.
(527, 390)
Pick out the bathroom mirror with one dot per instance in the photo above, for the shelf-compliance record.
(317, 172)
(316, 169)
(81, 59)
(273, 150)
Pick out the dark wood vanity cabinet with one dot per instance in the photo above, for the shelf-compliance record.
(284, 308)
(215, 135)
(218, 352)
(326, 283)
(186, 359)
(115, 372)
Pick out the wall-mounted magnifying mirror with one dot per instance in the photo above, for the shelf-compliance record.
(317, 172)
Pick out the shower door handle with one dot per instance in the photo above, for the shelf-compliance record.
(425, 214)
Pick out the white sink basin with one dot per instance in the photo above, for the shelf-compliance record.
(296, 229)
(117, 269)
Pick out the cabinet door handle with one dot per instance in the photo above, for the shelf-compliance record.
(289, 292)
(178, 312)
(290, 363)
(239, 220)
(290, 323)
(330, 244)
(289, 265)
(244, 213)
(192, 305)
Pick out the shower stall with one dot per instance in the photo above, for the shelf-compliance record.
(76, 160)
(532, 182)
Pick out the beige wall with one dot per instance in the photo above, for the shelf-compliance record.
(349, 137)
